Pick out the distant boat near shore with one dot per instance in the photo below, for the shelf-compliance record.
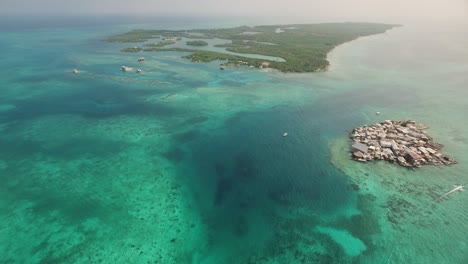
(75, 71)
(125, 68)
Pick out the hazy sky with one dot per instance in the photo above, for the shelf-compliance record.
(321, 9)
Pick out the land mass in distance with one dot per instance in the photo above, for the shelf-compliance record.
(304, 47)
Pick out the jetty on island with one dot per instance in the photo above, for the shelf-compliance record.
(403, 142)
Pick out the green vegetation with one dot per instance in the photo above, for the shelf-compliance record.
(197, 43)
(136, 35)
(207, 56)
(133, 49)
(169, 49)
(304, 47)
(160, 43)
(142, 35)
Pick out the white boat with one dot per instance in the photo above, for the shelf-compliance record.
(125, 68)
(141, 59)
(138, 71)
(75, 71)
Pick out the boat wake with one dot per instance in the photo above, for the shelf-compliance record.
(455, 189)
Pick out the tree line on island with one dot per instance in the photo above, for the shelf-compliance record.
(304, 47)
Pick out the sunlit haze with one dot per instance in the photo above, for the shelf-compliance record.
(300, 9)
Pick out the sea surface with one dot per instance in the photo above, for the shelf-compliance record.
(185, 163)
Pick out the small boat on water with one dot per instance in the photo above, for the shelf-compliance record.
(222, 67)
(141, 59)
(75, 71)
(125, 68)
(138, 71)
(285, 134)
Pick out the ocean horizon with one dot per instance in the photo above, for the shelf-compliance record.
(185, 163)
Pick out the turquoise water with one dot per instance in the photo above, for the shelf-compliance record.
(187, 164)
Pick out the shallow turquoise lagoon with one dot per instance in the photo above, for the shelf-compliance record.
(185, 163)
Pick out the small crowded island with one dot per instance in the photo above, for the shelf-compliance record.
(291, 48)
(403, 142)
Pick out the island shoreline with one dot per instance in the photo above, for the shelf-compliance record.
(304, 47)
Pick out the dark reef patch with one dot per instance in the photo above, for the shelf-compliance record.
(354, 187)
(236, 118)
(69, 149)
(241, 227)
(195, 120)
(244, 166)
(48, 197)
(248, 170)
(186, 136)
(223, 186)
(102, 101)
(231, 83)
(280, 197)
(175, 154)
(18, 148)
(220, 169)
(79, 147)
(398, 209)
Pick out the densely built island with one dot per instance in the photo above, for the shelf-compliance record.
(404, 142)
(304, 47)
